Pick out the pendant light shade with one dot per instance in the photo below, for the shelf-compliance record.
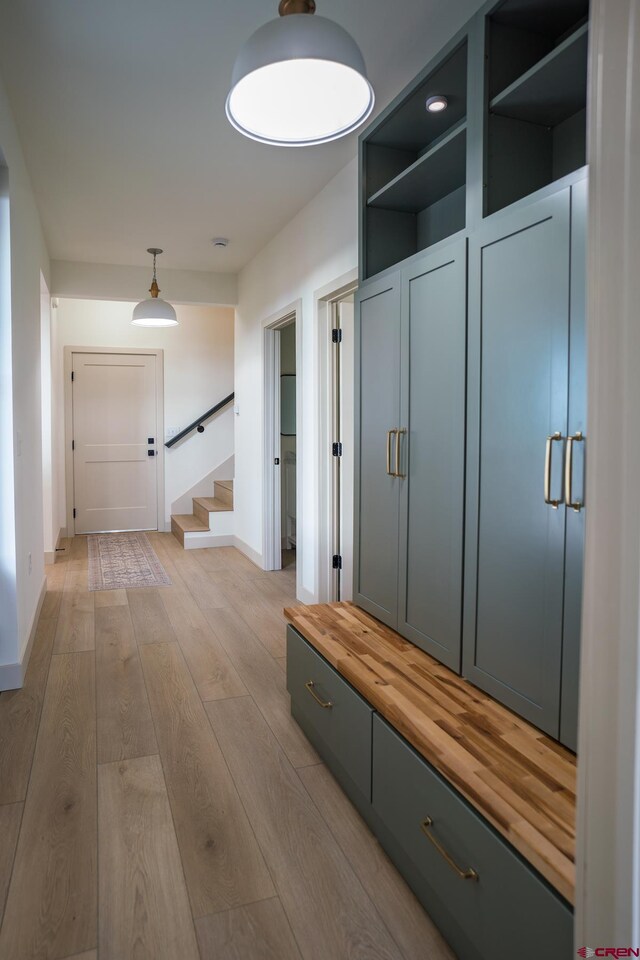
(154, 312)
(299, 80)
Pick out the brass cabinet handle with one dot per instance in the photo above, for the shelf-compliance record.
(469, 874)
(325, 704)
(399, 433)
(554, 438)
(389, 435)
(576, 505)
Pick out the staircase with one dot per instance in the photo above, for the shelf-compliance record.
(211, 522)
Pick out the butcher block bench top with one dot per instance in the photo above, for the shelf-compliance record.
(519, 779)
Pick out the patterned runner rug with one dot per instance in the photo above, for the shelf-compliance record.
(120, 560)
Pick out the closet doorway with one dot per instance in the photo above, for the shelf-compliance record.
(282, 442)
(336, 435)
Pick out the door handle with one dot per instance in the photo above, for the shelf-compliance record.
(400, 432)
(389, 435)
(576, 505)
(554, 438)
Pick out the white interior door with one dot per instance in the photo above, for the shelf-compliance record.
(114, 434)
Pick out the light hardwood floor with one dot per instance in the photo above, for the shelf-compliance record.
(156, 798)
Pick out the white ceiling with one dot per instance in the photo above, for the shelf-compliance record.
(120, 109)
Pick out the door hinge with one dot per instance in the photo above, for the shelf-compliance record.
(74, 513)
(337, 562)
(73, 376)
(336, 449)
(73, 444)
(336, 336)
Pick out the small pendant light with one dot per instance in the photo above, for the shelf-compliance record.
(299, 80)
(154, 312)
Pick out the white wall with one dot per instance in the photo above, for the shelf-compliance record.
(112, 281)
(21, 446)
(198, 371)
(318, 246)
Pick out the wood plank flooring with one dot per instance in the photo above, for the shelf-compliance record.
(156, 798)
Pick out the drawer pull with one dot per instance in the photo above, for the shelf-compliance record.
(469, 874)
(326, 704)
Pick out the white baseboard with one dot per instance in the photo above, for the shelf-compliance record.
(50, 555)
(249, 552)
(200, 541)
(12, 674)
(306, 596)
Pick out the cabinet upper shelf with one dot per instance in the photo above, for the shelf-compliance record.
(436, 173)
(553, 89)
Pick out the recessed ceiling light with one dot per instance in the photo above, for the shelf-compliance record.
(220, 241)
(299, 80)
(437, 104)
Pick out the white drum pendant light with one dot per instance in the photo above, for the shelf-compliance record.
(154, 312)
(299, 81)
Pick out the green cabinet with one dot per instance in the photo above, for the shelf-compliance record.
(471, 360)
(488, 902)
(377, 491)
(410, 468)
(526, 287)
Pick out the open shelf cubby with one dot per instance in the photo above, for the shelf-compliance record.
(537, 94)
(414, 169)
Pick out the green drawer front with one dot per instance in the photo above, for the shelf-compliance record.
(341, 732)
(509, 911)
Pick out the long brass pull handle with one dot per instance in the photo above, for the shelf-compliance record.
(325, 704)
(399, 433)
(469, 874)
(389, 435)
(554, 438)
(576, 505)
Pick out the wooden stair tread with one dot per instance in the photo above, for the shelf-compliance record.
(225, 483)
(518, 778)
(213, 504)
(188, 523)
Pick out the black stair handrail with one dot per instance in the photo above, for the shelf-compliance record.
(198, 424)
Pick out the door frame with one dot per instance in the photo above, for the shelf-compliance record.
(324, 299)
(272, 482)
(68, 424)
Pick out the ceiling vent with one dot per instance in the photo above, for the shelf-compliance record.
(220, 241)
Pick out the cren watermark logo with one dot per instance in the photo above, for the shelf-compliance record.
(609, 952)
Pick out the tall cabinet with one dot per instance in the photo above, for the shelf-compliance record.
(471, 359)
(521, 551)
(410, 460)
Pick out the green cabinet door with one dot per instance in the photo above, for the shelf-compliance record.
(434, 320)
(575, 517)
(375, 587)
(517, 398)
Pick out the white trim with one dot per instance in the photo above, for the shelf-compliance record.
(272, 554)
(68, 425)
(323, 299)
(50, 557)
(12, 674)
(249, 552)
(608, 829)
(200, 541)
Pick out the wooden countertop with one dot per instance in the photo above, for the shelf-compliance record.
(519, 779)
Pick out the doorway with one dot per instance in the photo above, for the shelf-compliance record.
(282, 441)
(336, 451)
(114, 464)
(288, 444)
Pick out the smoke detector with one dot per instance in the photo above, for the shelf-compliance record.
(220, 241)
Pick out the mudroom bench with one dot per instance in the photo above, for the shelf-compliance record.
(475, 806)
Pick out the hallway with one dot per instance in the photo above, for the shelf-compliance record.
(157, 800)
